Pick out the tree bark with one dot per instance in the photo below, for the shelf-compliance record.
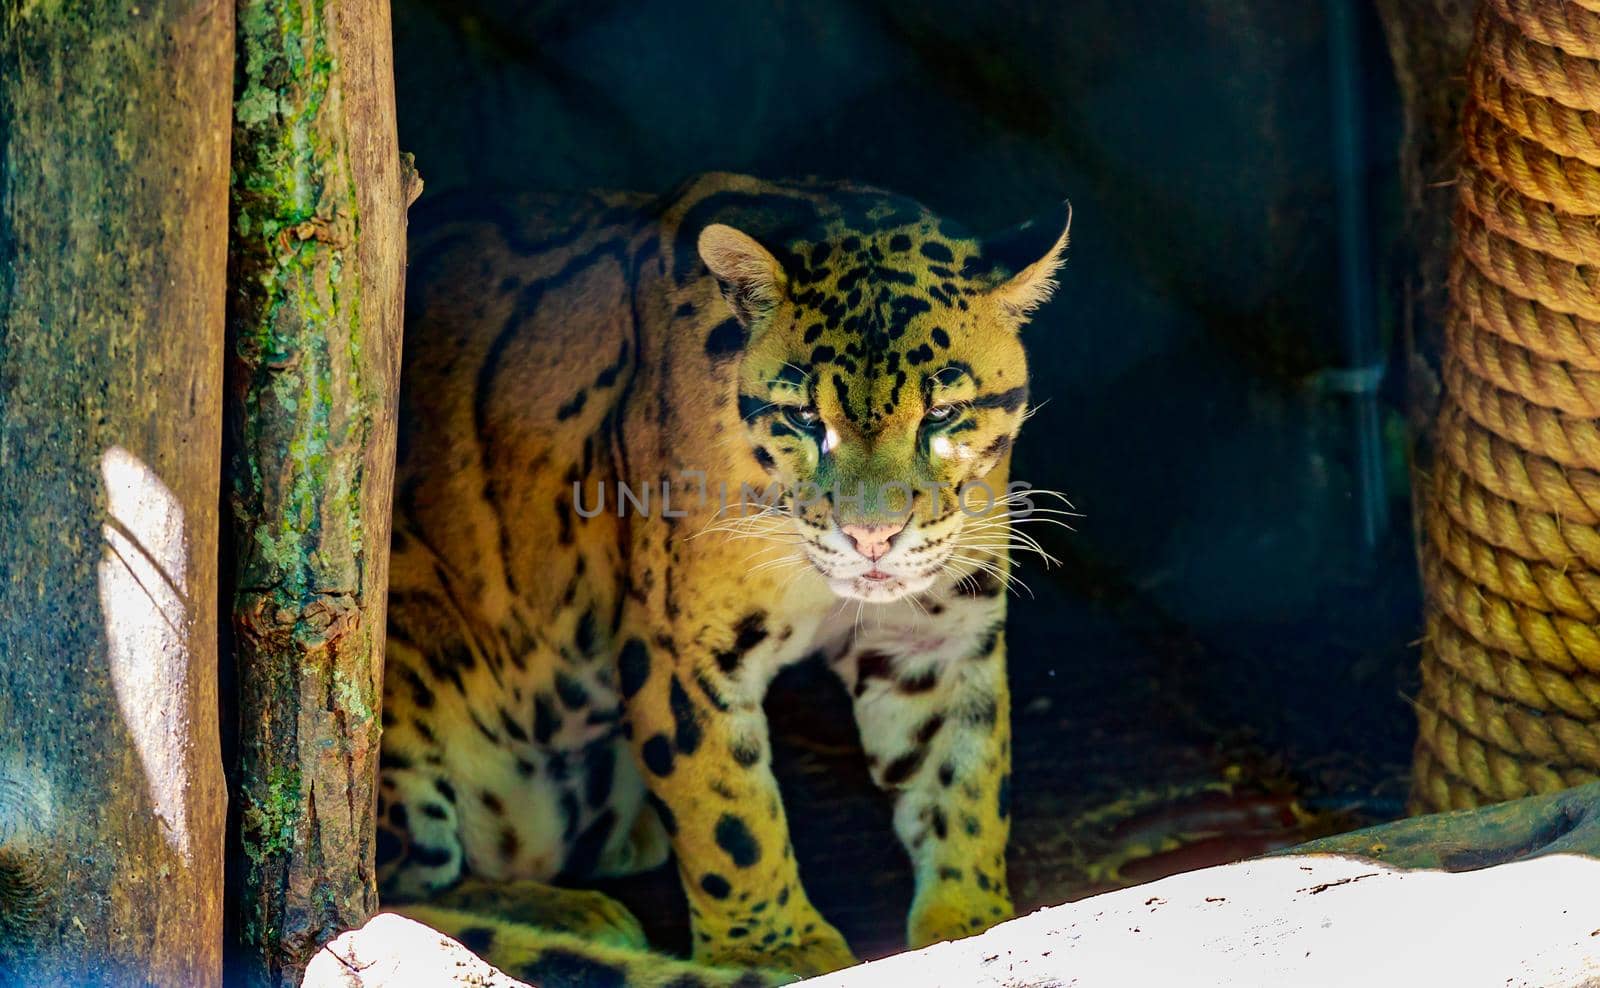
(113, 234)
(319, 199)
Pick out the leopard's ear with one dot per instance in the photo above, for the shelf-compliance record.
(1032, 254)
(752, 280)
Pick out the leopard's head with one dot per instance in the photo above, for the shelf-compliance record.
(883, 384)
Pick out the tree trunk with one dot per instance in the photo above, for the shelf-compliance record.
(113, 233)
(319, 199)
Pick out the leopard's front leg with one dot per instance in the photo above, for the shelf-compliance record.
(701, 738)
(936, 729)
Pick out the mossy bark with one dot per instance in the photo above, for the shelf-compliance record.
(113, 237)
(317, 262)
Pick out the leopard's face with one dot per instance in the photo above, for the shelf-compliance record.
(883, 386)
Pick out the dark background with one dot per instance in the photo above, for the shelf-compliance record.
(1222, 663)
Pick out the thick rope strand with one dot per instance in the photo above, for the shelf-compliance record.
(1510, 698)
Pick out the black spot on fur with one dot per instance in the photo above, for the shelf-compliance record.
(600, 767)
(572, 693)
(421, 695)
(871, 664)
(746, 752)
(477, 939)
(657, 755)
(572, 407)
(790, 374)
(608, 376)
(725, 340)
(751, 407)
(512, 727)
(445, 789)
(935, 251)
(715, 885)
(734, 837)
(430, 857)
(546, 722)
(389, 847)
(633, 667)
(583, 637)
(999, 446)
(484, 729)
(590, 844)
(685, 718)
(749, 632)
(1010, 400)
(904, 767)
(557, 968)
(712, 694)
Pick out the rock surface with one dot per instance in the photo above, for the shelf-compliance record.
(394, 951)
(1299, 920)
(1304, 921)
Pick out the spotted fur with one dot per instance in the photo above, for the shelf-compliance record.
(572, 693)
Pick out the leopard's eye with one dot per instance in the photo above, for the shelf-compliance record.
(940, 413)
(803, 417)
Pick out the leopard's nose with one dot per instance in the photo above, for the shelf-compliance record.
(872, 541)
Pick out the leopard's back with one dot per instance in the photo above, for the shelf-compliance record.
(502, 753)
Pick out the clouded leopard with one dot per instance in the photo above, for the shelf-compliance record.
(652, 451)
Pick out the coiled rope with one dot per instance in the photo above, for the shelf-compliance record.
(1510, 699)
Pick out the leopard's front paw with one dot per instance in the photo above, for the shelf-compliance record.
(821, 951)
(951, 911)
